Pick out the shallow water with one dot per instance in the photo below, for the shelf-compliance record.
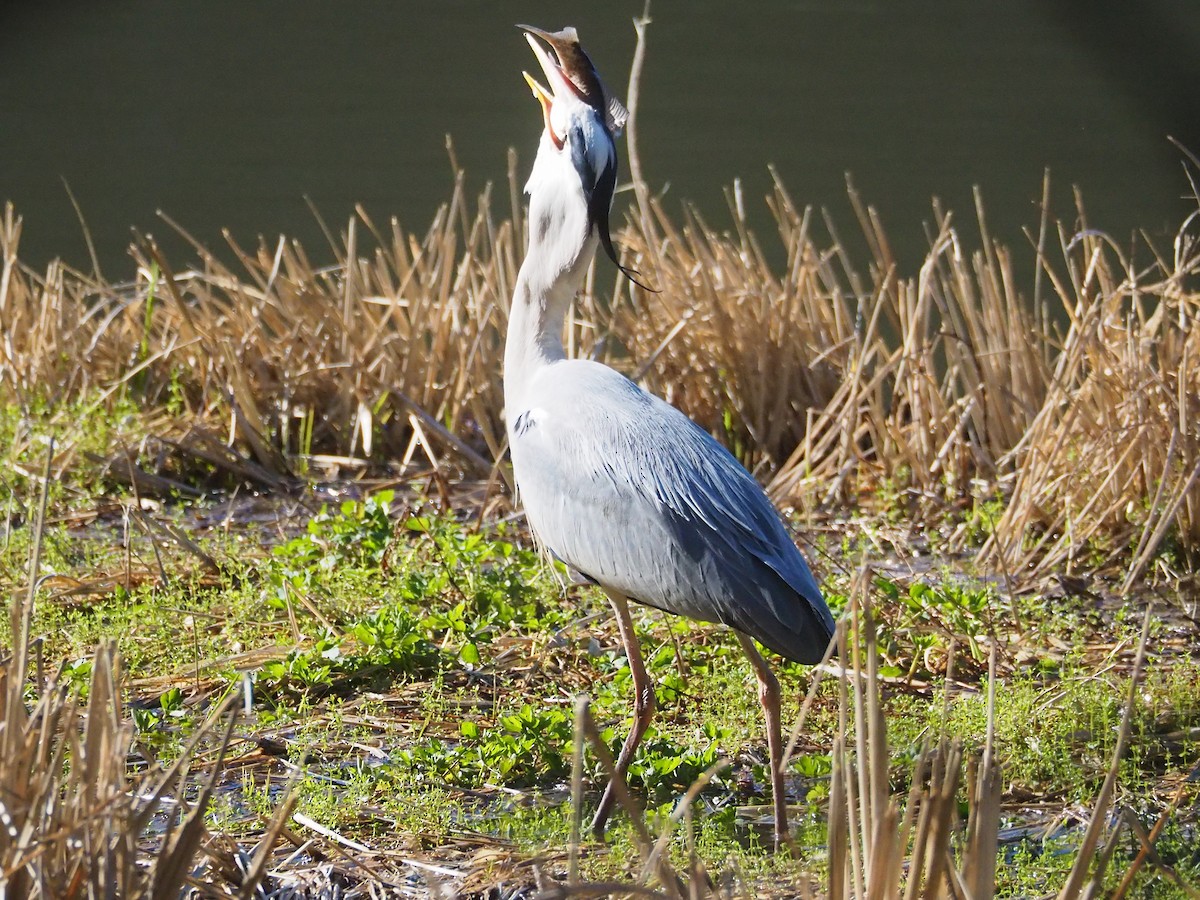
(228, 114)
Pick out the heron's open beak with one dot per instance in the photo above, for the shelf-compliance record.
(568, 68)
(552, 68)
(545, 98)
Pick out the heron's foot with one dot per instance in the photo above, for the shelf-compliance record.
(784, 845)
(598, 829)
(600, 819)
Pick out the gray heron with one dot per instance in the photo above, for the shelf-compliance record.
(616, 483)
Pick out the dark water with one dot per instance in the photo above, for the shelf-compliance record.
(227, 113)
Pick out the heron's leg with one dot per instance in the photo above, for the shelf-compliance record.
(768, 696)
(643, 706)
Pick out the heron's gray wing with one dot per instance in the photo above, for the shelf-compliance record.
(627, 490)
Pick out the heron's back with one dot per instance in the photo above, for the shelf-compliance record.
(627, 490)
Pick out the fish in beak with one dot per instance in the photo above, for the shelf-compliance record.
(572, 69)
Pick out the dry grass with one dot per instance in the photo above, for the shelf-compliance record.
(1074, 399)
(1077, 404)
(296, 358)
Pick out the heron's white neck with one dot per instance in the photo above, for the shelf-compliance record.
(560, 250)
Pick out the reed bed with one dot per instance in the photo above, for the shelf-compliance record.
(1075, 406)
(1066, 409)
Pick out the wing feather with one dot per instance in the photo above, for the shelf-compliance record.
(627, 490)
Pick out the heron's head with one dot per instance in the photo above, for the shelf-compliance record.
(575, 173)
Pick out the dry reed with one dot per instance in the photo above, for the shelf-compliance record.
(1079, 410)
(77, 818)
(1076, 406)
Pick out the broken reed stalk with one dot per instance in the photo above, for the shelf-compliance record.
(841, 376)
(74, 818)
(1078, 878)
(626, 801)
(878, 847)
